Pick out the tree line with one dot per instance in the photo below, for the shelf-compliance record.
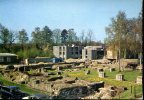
(42, 40)
(124, 35)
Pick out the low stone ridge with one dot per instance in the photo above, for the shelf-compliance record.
(51, 73)
(96, 85)
(55, 78)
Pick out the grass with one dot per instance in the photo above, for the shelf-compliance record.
(130, 95)
(21, 86)
(129, 76)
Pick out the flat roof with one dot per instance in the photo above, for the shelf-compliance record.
(68, 46)
(7, 54)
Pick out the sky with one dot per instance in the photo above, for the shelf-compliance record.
(65, 14)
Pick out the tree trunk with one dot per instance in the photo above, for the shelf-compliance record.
(125, 53)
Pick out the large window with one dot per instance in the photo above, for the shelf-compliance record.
(76, 53)
(80, 51)
(63, 48)
(72, 49)
(86, 51)
(60, 48)
(1, 59)
(76, 48)
(8, 59)
(60, 53)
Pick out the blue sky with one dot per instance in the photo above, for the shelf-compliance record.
(65, 14)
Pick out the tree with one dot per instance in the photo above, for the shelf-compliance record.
(4, 34)
(86, 41)
(42, 38)
(82, 37)
(37, 38)
(12, 38)
(116, 32)
(46, 35)
(137, 29)
(90, 35)
(125, 35)
(7, 38)
(57, 36)
(72, 38)
(22, 37)
(64, 36)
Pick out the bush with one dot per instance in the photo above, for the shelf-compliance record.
(8, 67)
(34, 52)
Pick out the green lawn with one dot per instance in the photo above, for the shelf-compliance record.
(129, 76)
(128, 95)
(22, 87)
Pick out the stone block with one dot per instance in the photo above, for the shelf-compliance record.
(87, 72)
(26, 62)
(119, 77)
(58, 68)
(41, 70)
(101, 74)
(139, 80)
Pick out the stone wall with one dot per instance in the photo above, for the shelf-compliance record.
(75, 92)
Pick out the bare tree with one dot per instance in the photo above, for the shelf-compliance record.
(82, 37)
(90, 35)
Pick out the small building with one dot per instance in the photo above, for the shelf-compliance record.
(42, 60)
(111, 54)
(37, 60)
(66, 52)
(8, 58)
(56, 60)
(93, 52)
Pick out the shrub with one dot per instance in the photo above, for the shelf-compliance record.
(8, 67)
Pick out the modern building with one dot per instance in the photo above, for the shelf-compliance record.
(93, 52)
(66, 52)
(8, 58)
